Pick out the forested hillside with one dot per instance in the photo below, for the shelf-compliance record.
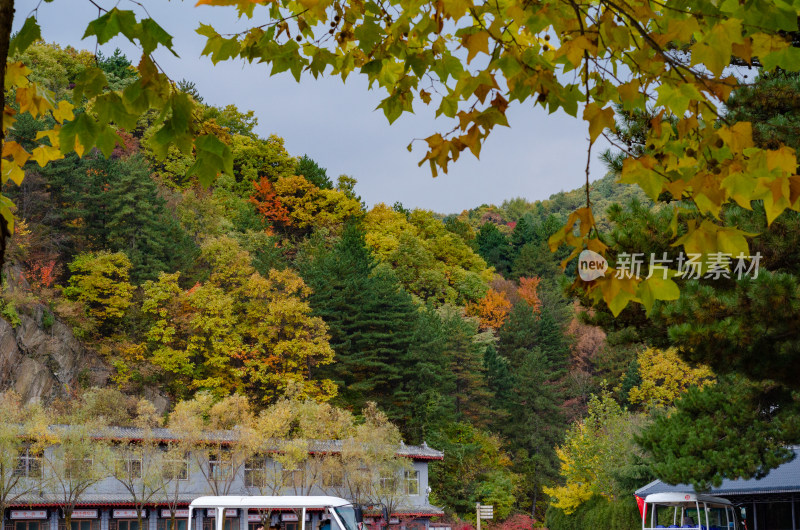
(279, 282)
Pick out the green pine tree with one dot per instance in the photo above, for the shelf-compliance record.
(113, 204)
(493, 246)
(371, 321)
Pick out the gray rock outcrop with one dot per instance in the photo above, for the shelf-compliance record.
(44, 364)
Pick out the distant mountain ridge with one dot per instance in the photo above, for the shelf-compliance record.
(602, 193)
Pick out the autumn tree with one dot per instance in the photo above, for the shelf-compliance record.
(528, 292)
(24, 436)
(491, 310)
(268, 203)
(238, 330)
(308, 206)
(99, 282)
(283, 462)
(430, 261)
(176, 467)
(77, 461)
(370, 463)
(138, 465)
(221, 436)
(665, 377)
(594, 452)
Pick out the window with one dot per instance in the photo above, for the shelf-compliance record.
(127, 524)
(166, 524)
(774, 515)
(293, 479)
(78, 467)
(176, 469)
(209, 523)
(85, 524)
(218, 467)
(129, 467)
(333, 478)
(28, 525)
(255, 471)
(412, 482)
(29, 464)
(388, 482)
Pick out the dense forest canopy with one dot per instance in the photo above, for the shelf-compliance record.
(204, 263)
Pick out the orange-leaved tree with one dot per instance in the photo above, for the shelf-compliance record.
(491, 310)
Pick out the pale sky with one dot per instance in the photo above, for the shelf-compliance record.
(336, 123)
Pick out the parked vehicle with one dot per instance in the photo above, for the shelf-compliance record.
(689, 510)
(342, 513)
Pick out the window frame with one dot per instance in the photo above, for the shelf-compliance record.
(126, 464)
(218, 469)
(409, 478)
(171, 464)
(25, 461)
(388, 482)
(255, 466)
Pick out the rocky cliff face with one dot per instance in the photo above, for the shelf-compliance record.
(44, 362)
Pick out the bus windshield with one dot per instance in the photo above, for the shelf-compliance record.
(348, 516)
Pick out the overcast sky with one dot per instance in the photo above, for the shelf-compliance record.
(337, 125)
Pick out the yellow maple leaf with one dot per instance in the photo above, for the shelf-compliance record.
(46, 153)
(474, 43)
(64, 111)
(32, 99)
(16, 75)
(782, 158)
(16, 151)
(12, 171)
(599, 119)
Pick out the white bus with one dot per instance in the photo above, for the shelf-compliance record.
(689, 510)
(342, 513)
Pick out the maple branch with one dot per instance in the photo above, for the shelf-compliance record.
(586, 59)
(100, 8)
(6, 23)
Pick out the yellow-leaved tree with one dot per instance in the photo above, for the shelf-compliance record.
(595, 449)
(237, 331)
(664, 377)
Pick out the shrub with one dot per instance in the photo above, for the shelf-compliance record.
(597, 512)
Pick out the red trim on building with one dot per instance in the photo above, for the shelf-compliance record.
(89, 504)
(415, 514)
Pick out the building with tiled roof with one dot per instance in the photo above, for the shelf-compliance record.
(108, 505)
(768, 503)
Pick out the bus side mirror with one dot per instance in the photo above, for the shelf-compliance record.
(359, 513)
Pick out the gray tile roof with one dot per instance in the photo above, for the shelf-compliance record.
(96, 499)
(122, 499)
(782, 479)
(416, 452)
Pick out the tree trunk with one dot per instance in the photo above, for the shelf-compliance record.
(6, 20)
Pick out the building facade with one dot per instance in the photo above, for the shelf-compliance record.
(769, 503)
(115, 502)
